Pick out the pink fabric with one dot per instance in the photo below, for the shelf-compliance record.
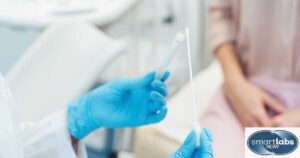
(266, 33)
(226, 128)
(267, 38)
(228, 135)
(288, 93)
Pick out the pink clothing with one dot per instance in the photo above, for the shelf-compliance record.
(267, 38)
(226, 129)
(286, 92)
(228, 135)
(266, 33)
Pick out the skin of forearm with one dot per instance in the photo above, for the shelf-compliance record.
(232, 70)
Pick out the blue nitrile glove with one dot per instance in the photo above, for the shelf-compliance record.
(119, 103)
(189, 150)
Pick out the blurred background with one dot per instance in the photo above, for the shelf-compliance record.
(52, 51)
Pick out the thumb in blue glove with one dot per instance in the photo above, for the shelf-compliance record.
(189, 150)
(120, 103)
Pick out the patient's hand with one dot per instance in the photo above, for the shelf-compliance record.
(249, 103)
(287, 119)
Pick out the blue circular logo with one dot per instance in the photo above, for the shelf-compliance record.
(277, 142)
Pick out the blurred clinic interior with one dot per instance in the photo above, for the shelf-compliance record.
(244, 59)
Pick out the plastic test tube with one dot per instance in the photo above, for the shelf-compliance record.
(170, 54)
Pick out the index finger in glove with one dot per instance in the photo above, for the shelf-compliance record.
(187, 149)
(165, 76)
(205, 150)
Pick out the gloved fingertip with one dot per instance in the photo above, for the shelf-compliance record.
(166, 75)
(206, 134)
(156, 83)
(163, 111)
(165, 108)
(157, 117)
(206, 140)
(157, 97)
(146, 80)
(190, 139)
(160, 87)
(156, 102)
(188, 147)
(150, 76)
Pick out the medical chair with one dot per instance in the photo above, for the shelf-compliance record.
(63, 63)
(161, 140)
(23, 21)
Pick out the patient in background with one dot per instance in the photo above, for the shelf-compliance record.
(258, 45)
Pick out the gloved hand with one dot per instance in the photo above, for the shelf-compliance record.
(120, 103)
(189, 150)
